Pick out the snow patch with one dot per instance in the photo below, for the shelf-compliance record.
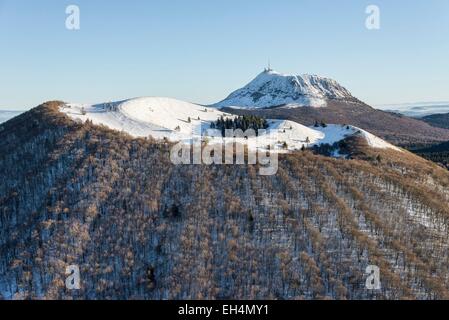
(334, 133)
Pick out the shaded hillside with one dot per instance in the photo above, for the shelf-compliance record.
(395, 128)
(438, 120)
(438, 153)
(140, 227)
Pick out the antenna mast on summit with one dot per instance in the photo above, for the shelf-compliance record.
(269, 66)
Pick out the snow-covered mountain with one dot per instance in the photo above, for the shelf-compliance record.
(148, 116)
(271, 88)
(178, 120)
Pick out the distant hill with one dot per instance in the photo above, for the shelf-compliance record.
(438, 120)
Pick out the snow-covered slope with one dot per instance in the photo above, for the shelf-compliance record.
(270, 89)
(148, 116)
(334, 132)
(179, 120)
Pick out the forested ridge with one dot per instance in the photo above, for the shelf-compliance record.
(142, 228)
(438, 120)
(437, 153)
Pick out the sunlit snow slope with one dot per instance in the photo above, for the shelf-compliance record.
(179, 120)
(143, 117)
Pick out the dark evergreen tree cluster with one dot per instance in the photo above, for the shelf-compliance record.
(241, 122)
(320, 124)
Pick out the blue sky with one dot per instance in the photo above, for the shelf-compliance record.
(200, 50)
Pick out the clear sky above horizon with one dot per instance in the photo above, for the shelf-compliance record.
(201, 50)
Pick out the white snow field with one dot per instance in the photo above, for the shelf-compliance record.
(181, 121)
